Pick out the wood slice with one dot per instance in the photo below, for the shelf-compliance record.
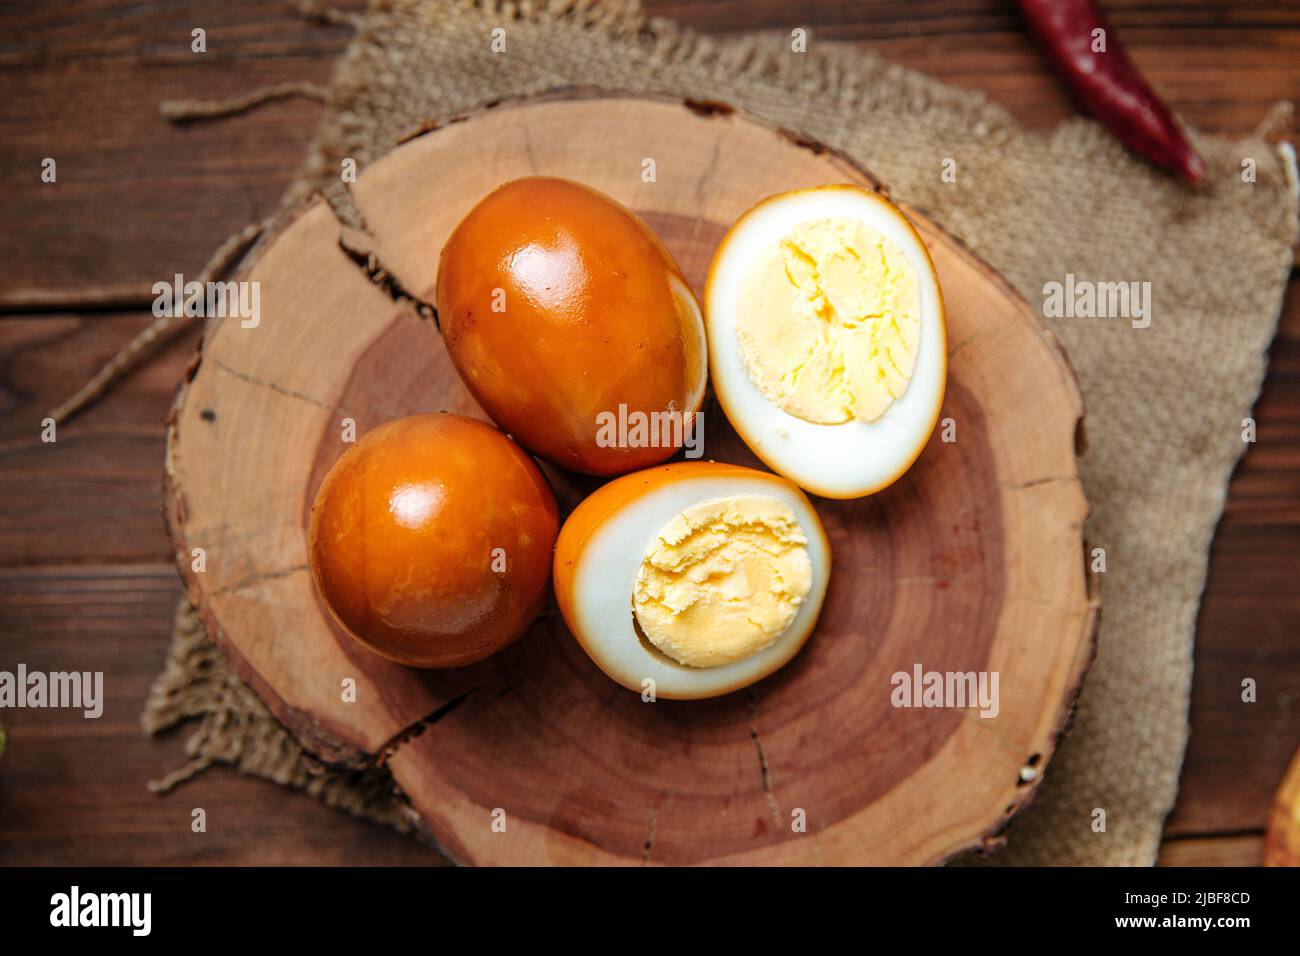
(974, 561)
(1282, 842)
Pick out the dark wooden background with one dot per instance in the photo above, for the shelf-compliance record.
(86, 580)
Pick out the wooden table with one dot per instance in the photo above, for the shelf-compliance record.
(86, 580)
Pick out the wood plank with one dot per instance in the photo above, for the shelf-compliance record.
(138, 199)
(1247, 627)
(1220, 63)
(72, 790)
(84, 84)
(1234, 850)
(94, 494)
(1249, 616)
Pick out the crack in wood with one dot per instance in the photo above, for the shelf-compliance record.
(1048, 480)
(383, 278)
(335, 410)
(652, 830)
(650, 835)
(763, 765)
(528, 148)
(929, 578)
(501, 692)
(700, 183)
(415, 729)
(952, 352)
(258, 578)
(972, 714)
(263, 383)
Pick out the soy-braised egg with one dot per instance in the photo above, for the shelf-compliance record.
(827, 338)
(561, 308)
(430, 540)
(692, 579)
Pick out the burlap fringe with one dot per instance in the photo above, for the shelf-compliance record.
(234, 728)
(189, 111)
(841, 73)
(321, 13)
(158, 331)
(229, 252)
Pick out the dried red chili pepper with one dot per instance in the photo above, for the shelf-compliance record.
(1109, 85)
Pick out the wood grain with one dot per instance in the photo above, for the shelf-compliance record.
(963, 565)
(84, 73)
(72, 790)
(91, 496)
(1282, 840)
(1250, 614)
(82, 85)
(1220, 63)
(1227, 849)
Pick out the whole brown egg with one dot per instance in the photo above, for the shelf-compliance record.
(431, 540)
(572, 326)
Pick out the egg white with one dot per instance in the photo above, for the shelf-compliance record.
(854, 458)
(605, 575)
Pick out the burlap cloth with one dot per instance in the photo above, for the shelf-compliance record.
(1165, 404)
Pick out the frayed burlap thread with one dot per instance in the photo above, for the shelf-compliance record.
(234, 727)
(1165, 403)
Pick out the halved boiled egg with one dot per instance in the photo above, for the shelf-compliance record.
(692, 579)
(827, 338)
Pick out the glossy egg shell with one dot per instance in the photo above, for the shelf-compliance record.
(431, 540)
(557, 304)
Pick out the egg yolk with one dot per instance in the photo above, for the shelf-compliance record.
(722, 580)
(829, 322)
